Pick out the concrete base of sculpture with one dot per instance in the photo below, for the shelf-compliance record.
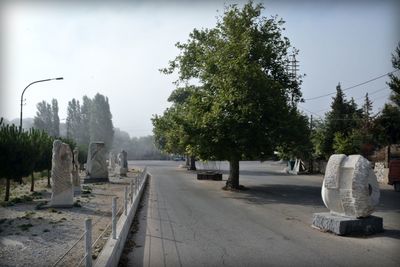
(341, 225)
(123, 171)
(62, 200)
(90, 180)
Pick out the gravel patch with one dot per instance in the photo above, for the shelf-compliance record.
(39, 237)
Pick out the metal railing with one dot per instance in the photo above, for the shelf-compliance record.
(87, 234)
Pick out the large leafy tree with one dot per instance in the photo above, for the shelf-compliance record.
(243, 91)
(85, 119)
(55, 119)
(47, 119)
(73, 121)
(340, 122)
(100, 124)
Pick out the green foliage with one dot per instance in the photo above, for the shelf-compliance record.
(394, 83)
(73, 121)
(347, 144)
(237, 93)
(387, 125)
(296, 143)
(101, 126)
(47, 119)
(142, 148)
(17, 152)
(90, 122)
(83, 151)
(339, 124)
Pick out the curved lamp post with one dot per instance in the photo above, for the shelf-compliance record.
(22, 96)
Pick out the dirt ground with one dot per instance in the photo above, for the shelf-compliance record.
(32, 235)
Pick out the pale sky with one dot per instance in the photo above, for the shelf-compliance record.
(116, 48)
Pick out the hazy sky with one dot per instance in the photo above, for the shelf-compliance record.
(117, 47)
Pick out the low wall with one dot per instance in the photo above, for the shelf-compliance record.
(381, 172)
(112, 250)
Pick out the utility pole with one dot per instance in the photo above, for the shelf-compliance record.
(292, 69)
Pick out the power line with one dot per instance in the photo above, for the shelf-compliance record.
(354, 86)
(321, 116)
(309, 111)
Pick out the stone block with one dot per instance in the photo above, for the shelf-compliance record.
(350, 187)
(341, 225)
(209, 176)
(96, 170)
(61, 167)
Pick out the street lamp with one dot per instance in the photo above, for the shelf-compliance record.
(22, 96)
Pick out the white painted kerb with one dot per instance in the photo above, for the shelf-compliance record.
(112, 250)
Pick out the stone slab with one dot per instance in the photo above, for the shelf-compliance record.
(89, 180)
(209, 176)
(341, 225)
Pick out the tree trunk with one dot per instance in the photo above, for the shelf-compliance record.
(192, 164)
(187, 161)
(233, 179)
(7, 196)
(32, 182)
(48, 179)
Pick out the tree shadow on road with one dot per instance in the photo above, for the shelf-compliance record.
(281, 193)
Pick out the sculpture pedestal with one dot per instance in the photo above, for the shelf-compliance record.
(91, 180)
(209, 175)
(341, 225)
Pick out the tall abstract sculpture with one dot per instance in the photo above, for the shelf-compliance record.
(350, 191)
(62, 195)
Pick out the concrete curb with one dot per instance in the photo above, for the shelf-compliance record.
(112, 250)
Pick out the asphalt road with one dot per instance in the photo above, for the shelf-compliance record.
(186, 222)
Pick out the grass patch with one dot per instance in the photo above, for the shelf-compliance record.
(25, 226)
(22, 199)
(28, 214)
(36, 195)
(7, 204)
(53, 210)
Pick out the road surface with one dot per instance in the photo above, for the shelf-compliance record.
(186, 222)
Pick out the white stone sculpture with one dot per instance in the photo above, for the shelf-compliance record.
(96, 166)
(350, 187)
(62, 195)
(123, 163)
(76, 181)
(111, 161)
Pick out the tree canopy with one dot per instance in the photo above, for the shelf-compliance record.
(47, 119)
(91, 121)
(238, 94)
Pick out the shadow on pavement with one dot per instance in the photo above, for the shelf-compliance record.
(279, 193)
(389, 200)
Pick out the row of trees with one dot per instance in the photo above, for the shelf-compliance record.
(25, 152)
(349, 129)
(47, 118)
(235, 99)
(138, 148)
(91, 121)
